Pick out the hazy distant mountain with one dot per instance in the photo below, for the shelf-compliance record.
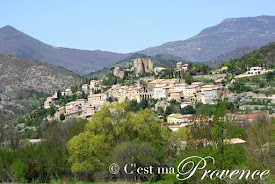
(224, 41)
(221, 39)
(14, 42)
(266, 54)
(231, 55)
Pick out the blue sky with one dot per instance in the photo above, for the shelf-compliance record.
(122, 25)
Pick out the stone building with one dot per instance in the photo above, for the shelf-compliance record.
(160, 91)
(158, 70)
(94, 85)
(85, 88)
(210, 94)
(190, 90)
(179, 118)
(185, 67)
(142, 65)
(75, 107)
(97, 99)
(175, 95)
(179, 65)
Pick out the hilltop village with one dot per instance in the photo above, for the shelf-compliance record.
(122, 115)
(148, 86)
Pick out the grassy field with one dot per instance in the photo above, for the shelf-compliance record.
(30, 102)
(10, 95)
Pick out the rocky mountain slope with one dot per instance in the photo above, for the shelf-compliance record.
(16, 43)
(17, 74)
(158, 60)
(24, 84)
(229, 35)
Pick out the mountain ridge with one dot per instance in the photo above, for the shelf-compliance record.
(211, 42)
(17, 43)
(216, 43)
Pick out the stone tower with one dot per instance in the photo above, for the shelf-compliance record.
(142, 65)
(179, 65)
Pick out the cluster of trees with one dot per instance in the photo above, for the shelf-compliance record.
(193, 69)
(41, 162)
(84, 150)
(270, 76)
(35, 118)
(128, 78)
(204, 68)
(199, 109)
(239, 87)
(241, 65)
(30, 94)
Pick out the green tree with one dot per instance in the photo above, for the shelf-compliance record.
(51, 110)
(110, 99)
(205, 68)
(269, 76)
(197, 67)
(183, 133)
(144, 104)
(160, 110)
(74, 89)
(201, 143)
(6, 160)
(58, 94)
(110, 127)
(84, 95)
(188, 79)
(143, 154)
(188, 110)
(134, 106)
(18, 168)
(168, 110)
(62, 117)
(190, 66)
(220, 130)
(260, 149)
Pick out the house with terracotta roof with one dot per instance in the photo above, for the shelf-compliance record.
(180, 87)
(159, 82)
(175, 95)
(190, 90)
(75, 107)
(97, 99)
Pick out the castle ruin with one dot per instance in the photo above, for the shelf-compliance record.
(142, 65)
